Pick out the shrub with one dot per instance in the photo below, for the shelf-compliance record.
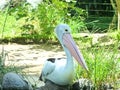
(51, 14)
(39, 23)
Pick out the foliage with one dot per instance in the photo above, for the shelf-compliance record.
(38, 24)
(49, 15)
(118, 36)
(98, 24)
(10, 28)
(102, 63)
(115, 35)
(77, 24)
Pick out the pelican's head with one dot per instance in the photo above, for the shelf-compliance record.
(60, 30)
(63, 34)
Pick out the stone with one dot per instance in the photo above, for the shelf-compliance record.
(83, 84)
(13, 81)
(52, 86)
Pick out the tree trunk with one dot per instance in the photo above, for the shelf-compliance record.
(119, 20)
(118, 11)
(112, 25)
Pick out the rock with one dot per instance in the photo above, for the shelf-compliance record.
(52, 86)
(83, 84)
(106, 86)
(0, 87)
(13, 81)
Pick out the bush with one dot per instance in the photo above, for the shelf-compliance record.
(39, 23)
(51, 14)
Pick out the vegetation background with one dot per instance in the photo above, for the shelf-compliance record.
(21, 23)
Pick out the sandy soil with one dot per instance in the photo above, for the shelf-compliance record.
(30, 58)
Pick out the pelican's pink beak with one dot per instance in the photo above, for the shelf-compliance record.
(70, 44)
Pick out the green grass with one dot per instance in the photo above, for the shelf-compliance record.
(98, 24)
(102, 63)
(103, 60)
(11, 28)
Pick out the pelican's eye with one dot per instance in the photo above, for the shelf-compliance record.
(66, 30)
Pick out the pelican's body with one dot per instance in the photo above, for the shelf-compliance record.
(61, 69)
(61, 72)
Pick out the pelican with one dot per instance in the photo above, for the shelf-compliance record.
(61, 71)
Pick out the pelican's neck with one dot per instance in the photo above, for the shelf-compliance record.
(69, 57)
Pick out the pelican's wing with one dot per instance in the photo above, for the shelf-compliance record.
(48, 68)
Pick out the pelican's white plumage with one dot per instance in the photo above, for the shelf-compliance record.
(61, 72)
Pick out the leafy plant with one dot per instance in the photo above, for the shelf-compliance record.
(102, 62)
(38, 24)
(76, 17)
(49, 15)
(118, 36)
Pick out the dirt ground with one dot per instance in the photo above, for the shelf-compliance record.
(30, 58)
